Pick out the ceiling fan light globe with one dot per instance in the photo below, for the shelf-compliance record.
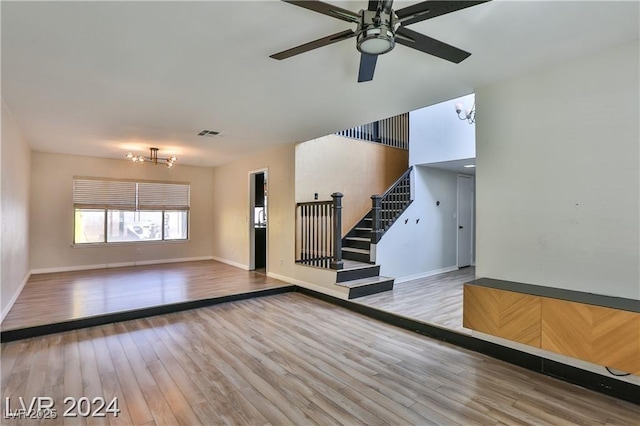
(375, 41)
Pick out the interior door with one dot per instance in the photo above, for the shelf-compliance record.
(465, 220)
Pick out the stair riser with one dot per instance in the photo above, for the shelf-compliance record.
(356, 274)
(360, 257)
(365, 245)
(371, 289)
(365, 234)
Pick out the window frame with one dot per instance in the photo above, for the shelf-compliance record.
(106, 209)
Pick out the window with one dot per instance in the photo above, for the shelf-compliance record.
(119, 211)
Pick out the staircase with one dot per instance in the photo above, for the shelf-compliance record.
(360, 273)
(318, 242)
(386, 209)
(356, 245)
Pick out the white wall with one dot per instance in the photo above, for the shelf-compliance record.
(52, 213)
(15, 169)
(414, 250)
(558, 188)
(436, 133)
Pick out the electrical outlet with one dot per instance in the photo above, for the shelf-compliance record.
(281, 261)
(138, 250)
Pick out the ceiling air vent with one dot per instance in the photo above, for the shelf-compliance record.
(210, 133)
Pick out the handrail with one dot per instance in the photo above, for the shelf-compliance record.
(386, 208)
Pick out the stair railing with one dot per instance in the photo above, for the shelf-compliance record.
(392, 131)
(386, 208)
(319, 233)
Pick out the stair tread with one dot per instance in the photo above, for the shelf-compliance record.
(351, 265)
(364, 281)
(358, 238)
(358, 228)
(355, 250)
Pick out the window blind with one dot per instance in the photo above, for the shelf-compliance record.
(129, 195)
(163, 196)
(104, 194)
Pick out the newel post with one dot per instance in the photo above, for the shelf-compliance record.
(336, 262)
(376, 231)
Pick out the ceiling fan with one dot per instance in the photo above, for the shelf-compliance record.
(380, 28)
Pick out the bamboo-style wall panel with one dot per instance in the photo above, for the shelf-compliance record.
(392, 131)
(601, 335)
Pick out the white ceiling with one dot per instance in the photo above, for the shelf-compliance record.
(103, 78)
(457, 166)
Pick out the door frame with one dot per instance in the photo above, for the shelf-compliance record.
(252, 230)
(472, 221)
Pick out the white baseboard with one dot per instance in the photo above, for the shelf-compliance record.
(230, 262)
(426, 274)
(15, 297)
(117, 265)
(310, 286)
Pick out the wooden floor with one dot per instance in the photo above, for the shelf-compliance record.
(434, 300)
(288, 359)
(57, 297)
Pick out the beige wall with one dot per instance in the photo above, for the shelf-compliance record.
(355, 168)
(231, 200)
(15, 172)
(231, 214)
(52, 213)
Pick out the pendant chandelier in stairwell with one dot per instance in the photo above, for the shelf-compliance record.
(469, 114)
(152, 158)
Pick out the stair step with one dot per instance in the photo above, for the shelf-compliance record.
(359, 239)
(355, 250)
(353, 270)
(361, 255)
(366, 286)
(357, 242)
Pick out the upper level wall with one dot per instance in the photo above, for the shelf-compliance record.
(558, 194)
(437, 134)
(355, 168)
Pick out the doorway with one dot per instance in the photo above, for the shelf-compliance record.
(258, 225)
(465, 221)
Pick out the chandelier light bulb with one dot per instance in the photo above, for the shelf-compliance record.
(153, 158)
(459, 107)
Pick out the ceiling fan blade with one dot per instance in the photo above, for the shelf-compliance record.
(429, 45)
(432, 8)
(324, 41)
(327, 9)
(367, 67)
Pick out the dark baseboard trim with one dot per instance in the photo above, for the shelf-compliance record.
(43, 330)
(587, 379)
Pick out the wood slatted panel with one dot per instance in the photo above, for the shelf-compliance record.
(604, 336)
(506, 314)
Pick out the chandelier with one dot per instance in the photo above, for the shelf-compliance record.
(469, 114)
(152, 158)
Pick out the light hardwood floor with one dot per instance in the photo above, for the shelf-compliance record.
(435, 300)
(56, 297)
(289, 359)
